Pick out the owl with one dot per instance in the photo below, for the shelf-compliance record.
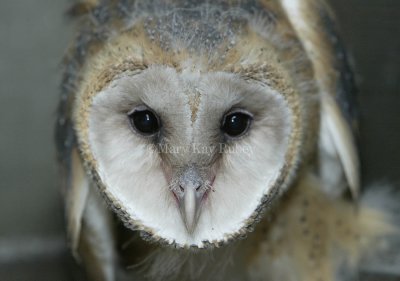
(216, 140)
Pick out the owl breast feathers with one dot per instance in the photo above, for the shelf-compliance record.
(214, 140)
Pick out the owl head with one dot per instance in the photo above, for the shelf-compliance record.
(186, 147)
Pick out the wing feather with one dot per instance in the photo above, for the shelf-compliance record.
(76, 201)
(314, 24)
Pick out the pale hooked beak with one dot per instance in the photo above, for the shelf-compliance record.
(190, 206)
(190, 198)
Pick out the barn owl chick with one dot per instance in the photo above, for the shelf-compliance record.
(220, 135)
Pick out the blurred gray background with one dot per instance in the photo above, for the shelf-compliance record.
(33, 38)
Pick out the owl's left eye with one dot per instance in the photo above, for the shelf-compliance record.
(144, 121)
(236, 124)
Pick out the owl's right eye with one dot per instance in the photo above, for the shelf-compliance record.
(144, 121)
(236, 124)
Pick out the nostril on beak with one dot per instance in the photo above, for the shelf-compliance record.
(182, 189)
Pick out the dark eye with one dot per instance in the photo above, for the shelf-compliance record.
(236, 124)
(144, 121)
